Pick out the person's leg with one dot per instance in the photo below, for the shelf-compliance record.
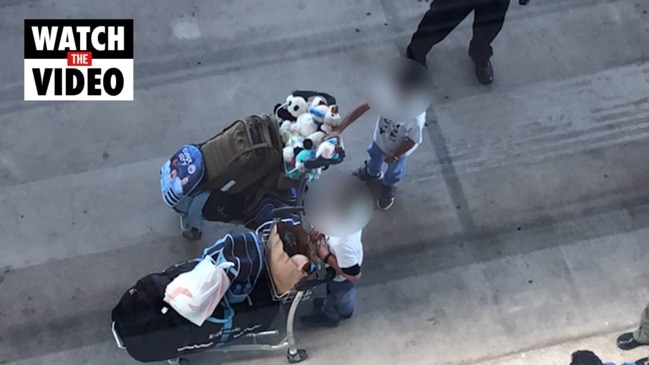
(442, 17)
(642, 333)
(373, 167)
(488, 22)
(345, 299)
(393, 175)
(327, 314)
(631, 340)
(329, 308)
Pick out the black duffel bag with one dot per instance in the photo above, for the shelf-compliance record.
(152, 331)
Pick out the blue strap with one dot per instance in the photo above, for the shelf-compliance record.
(227, 326)
(227, 321)
(195, 211)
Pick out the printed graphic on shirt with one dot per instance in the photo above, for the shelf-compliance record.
(389, 134)
(390, 128)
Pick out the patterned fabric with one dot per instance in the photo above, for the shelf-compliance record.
(181, 174)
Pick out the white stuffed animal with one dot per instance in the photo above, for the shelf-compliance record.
(326, 149)
(316, 137)
(319, 112)
(296, 105)
(288, 151)
(332, 120)
(286, 130)
(293, 144)
(317, 101)
(306, 125)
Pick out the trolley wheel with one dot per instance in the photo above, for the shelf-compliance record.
(193, 234)
(298, 356)
(178, 361)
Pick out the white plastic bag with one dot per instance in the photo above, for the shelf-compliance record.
(195, 294)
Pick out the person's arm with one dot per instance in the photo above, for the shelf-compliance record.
(352, 274)
(352, 117)
(404, 147)
(414, 136)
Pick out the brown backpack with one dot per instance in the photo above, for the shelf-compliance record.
(247, 151)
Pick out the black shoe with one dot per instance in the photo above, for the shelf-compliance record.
(626, 341)
(317, 305)
(484, 73)
(319, 320)
(643, 361)
(362, 174)
(386, 199)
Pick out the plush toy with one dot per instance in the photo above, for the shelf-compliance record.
(294, 146)
(317, 101)
(305, 118)
(288, 153)
(319, 112)
(296, 105)
(331, 120)
(306, 125)
(326, 116)
(326, 149)
(316, 137)
(329, 152)
(303, 157)
(286, 131)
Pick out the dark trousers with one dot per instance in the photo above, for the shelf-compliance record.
(445, 15)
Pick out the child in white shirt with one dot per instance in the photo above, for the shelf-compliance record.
(393, 142)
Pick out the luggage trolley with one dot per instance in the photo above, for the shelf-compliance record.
(292, 298)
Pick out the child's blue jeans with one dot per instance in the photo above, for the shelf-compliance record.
(340, 300)
(395, 171)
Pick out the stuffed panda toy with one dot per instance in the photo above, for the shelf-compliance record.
(299, 103)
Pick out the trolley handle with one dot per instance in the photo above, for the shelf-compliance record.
(282, 212)
(118, 340)
(309, 284)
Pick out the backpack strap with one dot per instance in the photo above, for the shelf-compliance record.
(227, 327)
(267, 186)
(218, 255)
(227, 321)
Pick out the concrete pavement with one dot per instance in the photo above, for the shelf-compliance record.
(519, 236)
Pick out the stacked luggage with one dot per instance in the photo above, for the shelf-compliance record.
(236, 288)
(256, 162)
(151, 328)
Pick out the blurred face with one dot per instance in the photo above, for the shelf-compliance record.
(338, 204)
(173, 174)
(399, 89)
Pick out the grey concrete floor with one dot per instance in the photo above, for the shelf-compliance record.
(519, 235)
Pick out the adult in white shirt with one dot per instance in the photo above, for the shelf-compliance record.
(344, 255)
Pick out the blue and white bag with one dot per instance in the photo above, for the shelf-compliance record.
(181, 174)
(246, 252)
